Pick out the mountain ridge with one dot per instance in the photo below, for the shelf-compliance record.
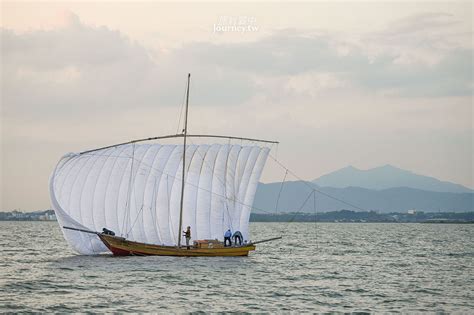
(385, 177)
(397, 199)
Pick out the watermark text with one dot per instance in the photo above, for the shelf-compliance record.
(238, 24)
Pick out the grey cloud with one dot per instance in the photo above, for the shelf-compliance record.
(283, 53)
(429, 29)
(293, 53)
(452, 76)
(82, 70)
(71, 70)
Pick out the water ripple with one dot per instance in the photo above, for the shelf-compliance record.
(358, 268)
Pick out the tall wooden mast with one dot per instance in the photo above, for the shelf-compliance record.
(185, 132)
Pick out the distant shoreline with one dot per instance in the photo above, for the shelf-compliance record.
(342, 216)
(348, 216)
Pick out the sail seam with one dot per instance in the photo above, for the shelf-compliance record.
(81, 185)
(145, 181)
(107, 186)
(145, 186)
(95, 188)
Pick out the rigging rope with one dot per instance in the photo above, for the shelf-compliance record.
(181, 111)
(168, 191)
(129, 192)
(313, 192)
(302, 206)
(153, 208)
(312, 187)
(315, 219)
(135, 219)
(279, 193)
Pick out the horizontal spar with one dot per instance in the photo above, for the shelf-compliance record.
(267, 240)
(178, 136)
(231, 137)
(80, 230)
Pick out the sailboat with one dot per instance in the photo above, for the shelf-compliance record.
(140, 196)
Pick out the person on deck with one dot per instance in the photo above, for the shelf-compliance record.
(187, 234)
(227, 236)
(237, 236)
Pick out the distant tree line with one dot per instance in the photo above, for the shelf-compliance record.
(365, 216)
(331, 216)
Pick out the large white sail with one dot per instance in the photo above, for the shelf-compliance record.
(135, 190)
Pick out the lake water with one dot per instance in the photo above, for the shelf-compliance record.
(316, 267)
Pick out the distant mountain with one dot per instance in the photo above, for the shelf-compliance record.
(398, 199)
(386, 177)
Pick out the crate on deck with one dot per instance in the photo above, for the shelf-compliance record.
(208, 244)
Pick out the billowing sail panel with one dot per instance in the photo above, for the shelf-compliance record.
(135, 189)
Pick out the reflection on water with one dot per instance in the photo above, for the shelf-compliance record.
(338, 267)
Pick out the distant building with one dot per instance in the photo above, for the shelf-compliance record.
(47, 216)
(18, 214)
(50, 217)
(413, 211)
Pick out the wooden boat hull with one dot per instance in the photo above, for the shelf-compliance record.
(119, 246)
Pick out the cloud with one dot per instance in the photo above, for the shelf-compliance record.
(83, 75)
(405, 62)
(424, 55)
(80, 69)
(70, 70)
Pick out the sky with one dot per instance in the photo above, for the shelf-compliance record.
(337, 83)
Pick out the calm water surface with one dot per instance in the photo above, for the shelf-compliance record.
(323, 267)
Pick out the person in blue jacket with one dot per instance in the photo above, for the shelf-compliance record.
(227, 236)
(237, 237)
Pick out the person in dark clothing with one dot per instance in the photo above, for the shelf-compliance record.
(187, 234)
(237, 237)
(227, 236)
